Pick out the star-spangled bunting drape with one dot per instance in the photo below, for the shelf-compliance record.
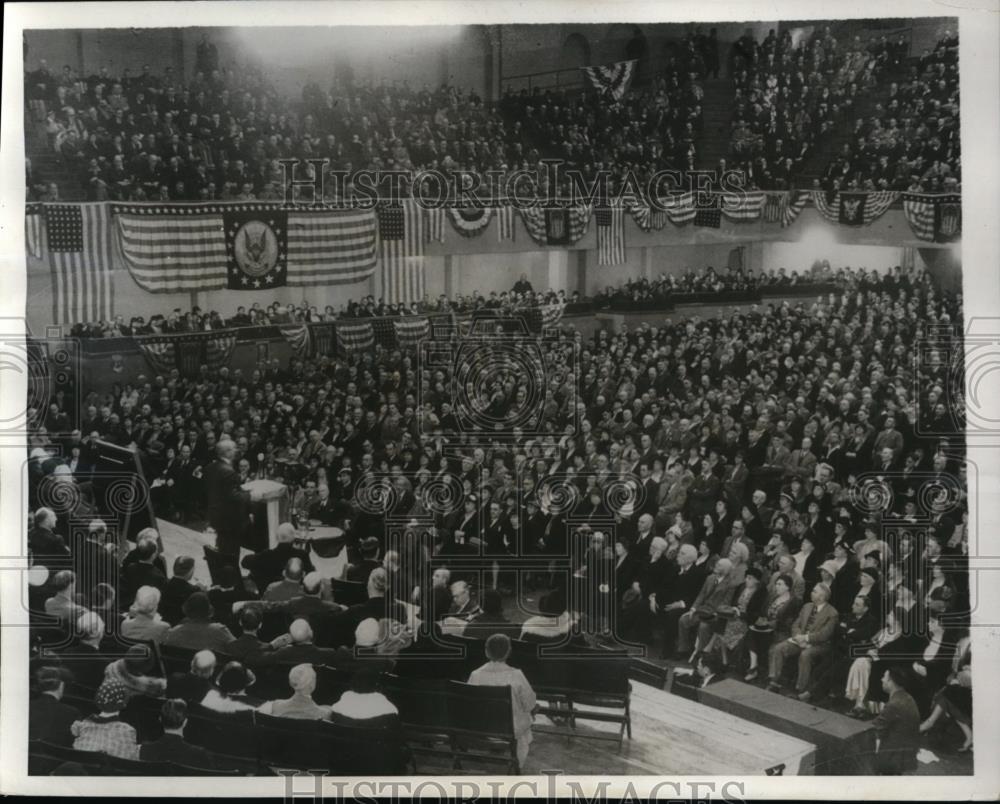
(159, 352)
(470, 222)
(401, 252)
(853, 209)
(934, 217)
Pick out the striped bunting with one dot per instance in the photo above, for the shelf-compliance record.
(612, 79)
(537, 222)
(794, 203)
(470, 222)
(355, 337)
(435, 224)
(922, 215)
(401, 238)
(746, 206)
(648, 218)
(551, 314)
(218, 350)
(159, 352)
(410, 331)
(182, 247)
(80, 257)
(297, 336)
(505, 225)
(33, 229)
(678, 208)
(875, 205)
(610, 235)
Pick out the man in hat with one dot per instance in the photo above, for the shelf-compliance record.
(50, 719)
(171, 746)
(197, 631)
(369, 549)
(811, 639)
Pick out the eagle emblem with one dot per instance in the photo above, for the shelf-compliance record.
(851, 208)
(255, 248)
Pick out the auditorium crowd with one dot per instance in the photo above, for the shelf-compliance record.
(781, 489)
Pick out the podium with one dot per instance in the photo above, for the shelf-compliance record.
(271, 493)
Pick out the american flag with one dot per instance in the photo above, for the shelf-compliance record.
(33, 229)
(401, 234)
(160, 352)
(505, 223)
(355, 337)
(171, 248)
(612, 79)
(708, 213)
(410, 331)
(774, 206)
(80, 255)
(435, 224)
(745, 206)
(794, 204)
(610, 235)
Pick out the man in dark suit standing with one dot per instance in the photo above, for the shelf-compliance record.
(228, 503)
(897, 726)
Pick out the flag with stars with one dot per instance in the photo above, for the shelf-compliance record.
(80, 255)
(256, 248)
(401, 239)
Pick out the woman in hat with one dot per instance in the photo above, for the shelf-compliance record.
(773, 624)
(735, 620)
(105, 731)
(133, 673)
(229, 692)
(198, 631)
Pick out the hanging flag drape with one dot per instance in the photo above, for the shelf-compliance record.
(793, 204)
(80, 256)
(160, 353)
(559, 226)
(611, 80)
(610, 223)
(33, 230)
(401, 238)
(297, 336)
(470, 222)
(355, 337)
(175, 248)
(935, 218)
(853, 208)
(218, 350)
(745, 206)
(435, 224)
(410, 331)
(505, 223)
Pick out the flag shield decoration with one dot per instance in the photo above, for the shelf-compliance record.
(947, 221)
(852, 208)
(257, 249)
(557, 227)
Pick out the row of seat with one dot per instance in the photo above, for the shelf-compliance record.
(46, 758)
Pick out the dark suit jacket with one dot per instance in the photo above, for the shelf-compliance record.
(174, 593)
(360, 572)
(228, 505)
(173, 748)
(266, 566)
(898, 728)
(300, 654)
(50, 720)
(680, 586)
(137, 575)
(247, 647)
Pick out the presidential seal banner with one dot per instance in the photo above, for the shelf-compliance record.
(257, 249)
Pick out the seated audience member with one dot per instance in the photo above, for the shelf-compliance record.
(84, 657)
(143, 622)
(897, 727)
(311, 600)
(63, 604)
(197, 630)
(50, 719)
(491, 619)
(376, 606)
(229, 590)
(893, 645)
(178, 589)
(267, 566)
(812, 636)
(708, 669)
(230, 691)
(954, 699)
(302, 680)
(362, 704)
(171, 746)
(359, 572)
(716, 591)
(247, 647)
(301, 648)
(143, 571)
(290, 584)
(497, 673)
(854, 632)
(774, 623)
(132, 672)
(105, 731)
(195, 684)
